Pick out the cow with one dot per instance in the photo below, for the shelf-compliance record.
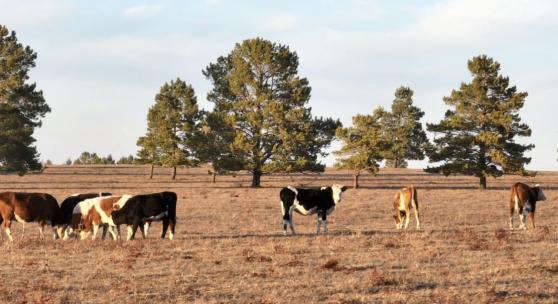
(67, 208)
(307, 201)
(524, 199)
(93, 213)
(29, 207)
(405, 198)
(144, 208)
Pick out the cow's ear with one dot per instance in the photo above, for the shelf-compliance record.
(344, 188)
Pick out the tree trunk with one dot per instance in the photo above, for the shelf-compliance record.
(396, 163)
(151, 171)
(256, 178)
(214, 177)
(173, 173)
(482, 183)
(355, 179)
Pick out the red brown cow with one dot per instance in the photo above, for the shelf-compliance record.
(93, 213)
(402, 203)
(524, 199)
(29, 207)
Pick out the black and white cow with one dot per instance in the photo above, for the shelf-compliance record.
(140, 209)
(309, 201)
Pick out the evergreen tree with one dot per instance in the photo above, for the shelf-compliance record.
(362, 144)
(403, 132)
(260, 105)
(21, 106)
(126, 160)
(173, 127)
(478, 132)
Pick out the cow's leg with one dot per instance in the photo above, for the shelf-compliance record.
(7, 225)
(145, 229)
(291, 222)
(165, 227)
(136, 223)
(416, 209)
(95, 231)
(318, 224)
(407, 217)
(41, 229)
(128, 232)
(522, 220)
(532, 216)
(324, 220)
(55, 232)
(172, 224)
(104, 235)
(113, 233)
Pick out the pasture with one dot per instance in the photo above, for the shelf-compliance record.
(229, 246)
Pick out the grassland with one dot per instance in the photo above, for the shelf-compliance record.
(229, 246)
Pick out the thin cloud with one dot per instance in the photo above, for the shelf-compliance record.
(279, 22)
(142, 11)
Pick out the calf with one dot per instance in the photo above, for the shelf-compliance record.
(309, 201)
(29, 207)
(141, 209)
(402, 203)
(67, 209)
(524, 199)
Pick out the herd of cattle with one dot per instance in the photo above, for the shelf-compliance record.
(81, 215)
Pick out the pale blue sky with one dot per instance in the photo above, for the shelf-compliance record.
(101, 63)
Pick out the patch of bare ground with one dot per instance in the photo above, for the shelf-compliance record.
(230, 248)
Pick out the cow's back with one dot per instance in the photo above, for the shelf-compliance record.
(36, 207)
(68, 205)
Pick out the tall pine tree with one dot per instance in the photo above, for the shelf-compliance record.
(261, 108)
(477, 135)
(174, 124)
(403, 131)
(21, 106)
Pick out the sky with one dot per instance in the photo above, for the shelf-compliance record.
(100, 63)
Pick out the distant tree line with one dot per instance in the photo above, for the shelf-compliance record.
(261, 121)
(88, 158)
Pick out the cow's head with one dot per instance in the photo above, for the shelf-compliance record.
(337, 191)
(539, 192)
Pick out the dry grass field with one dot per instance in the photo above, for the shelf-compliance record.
(229, 246)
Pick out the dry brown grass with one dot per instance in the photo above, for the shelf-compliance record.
(230, 249)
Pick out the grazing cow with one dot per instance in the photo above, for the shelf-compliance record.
(141, 209)
(524, 199)
(309, 201)
(402, 203)
(29, 207)
(67, 209)
(93, 213)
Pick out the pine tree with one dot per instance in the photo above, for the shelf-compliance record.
(173, 128)
(362, 144)
(260, 112)
(403, 131)
(478, 132)
(21, 106)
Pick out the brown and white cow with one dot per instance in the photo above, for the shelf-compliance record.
(91, 214)
(524, 199)
(29, 207)
(402, 203)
